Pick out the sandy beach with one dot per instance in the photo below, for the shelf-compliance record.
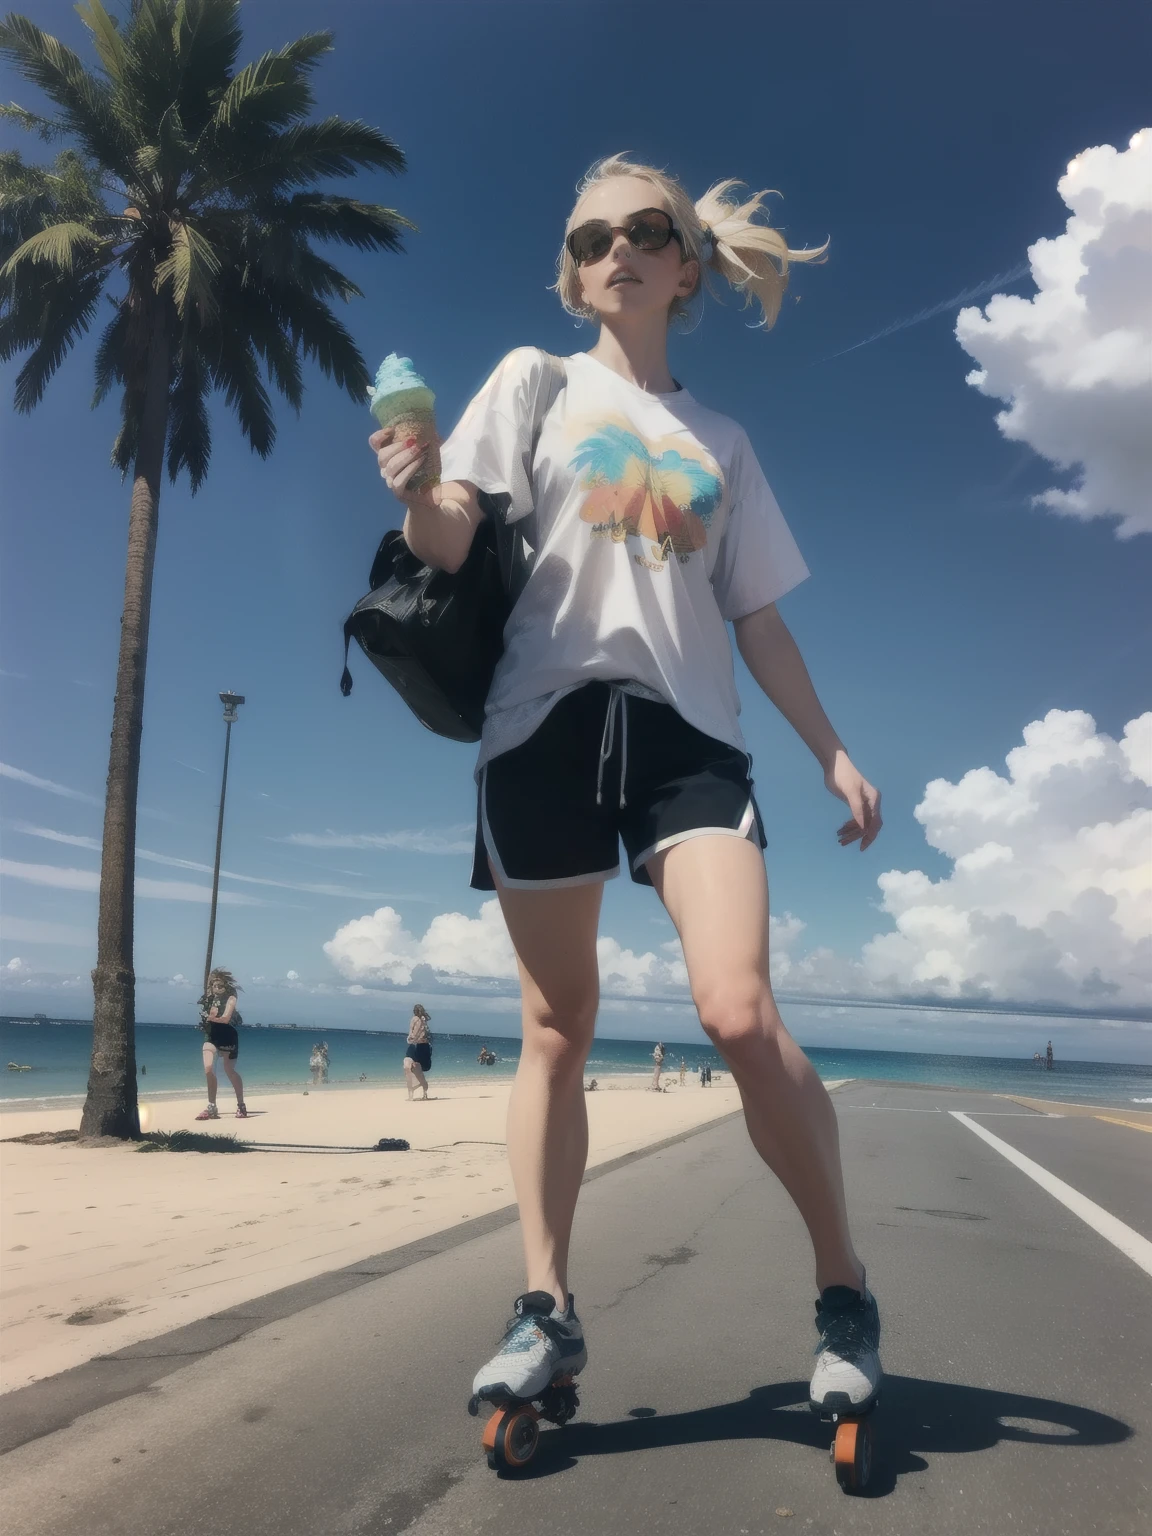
(104, 1246)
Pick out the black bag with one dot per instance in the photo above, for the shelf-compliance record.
(437, 635)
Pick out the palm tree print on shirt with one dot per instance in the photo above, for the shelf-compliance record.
(636, 491)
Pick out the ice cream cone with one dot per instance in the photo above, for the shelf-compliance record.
(400, 399)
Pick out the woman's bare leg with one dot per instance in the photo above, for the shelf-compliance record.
(209, 1054)
(409, 1080)
(554, 935)
(418, 1074)
(233, 1077)
(716, 892)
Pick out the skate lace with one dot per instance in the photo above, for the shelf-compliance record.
(846, 1335)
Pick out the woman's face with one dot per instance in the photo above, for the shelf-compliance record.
(661, 276)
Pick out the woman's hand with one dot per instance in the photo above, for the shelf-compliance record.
(399, 463)
(862, 799)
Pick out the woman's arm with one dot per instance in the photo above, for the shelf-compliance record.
(229, 1010)
(774, 660)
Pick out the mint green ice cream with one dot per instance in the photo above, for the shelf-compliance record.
(398, 390)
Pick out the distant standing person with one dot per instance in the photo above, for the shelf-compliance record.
(683, 1070)
(708, 1076)
(658, 1058)
(218, 1019)
(1048, 1057)
(418, 1056)
(703, 1079)
(316, 1063)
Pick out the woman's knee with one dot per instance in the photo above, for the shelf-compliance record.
(738, 1016)
(560, 1030)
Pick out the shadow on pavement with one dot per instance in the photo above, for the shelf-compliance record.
(914, 1416)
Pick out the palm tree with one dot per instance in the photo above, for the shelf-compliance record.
(211, 237)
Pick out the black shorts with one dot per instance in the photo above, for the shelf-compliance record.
(421, 1054)
(606, 765)
(225, 1039)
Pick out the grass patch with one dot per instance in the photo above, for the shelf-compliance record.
(189, 1141)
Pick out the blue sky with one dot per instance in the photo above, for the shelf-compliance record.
(946, 612)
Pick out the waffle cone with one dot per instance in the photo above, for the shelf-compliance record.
(422, 426)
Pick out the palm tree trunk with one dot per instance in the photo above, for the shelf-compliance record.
(111, 1108)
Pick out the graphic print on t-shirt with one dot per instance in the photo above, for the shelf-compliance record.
(650, 491)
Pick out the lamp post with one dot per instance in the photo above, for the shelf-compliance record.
(231, 703)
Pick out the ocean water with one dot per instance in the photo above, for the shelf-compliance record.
(168, 1058)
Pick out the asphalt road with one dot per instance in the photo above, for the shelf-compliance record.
(1016, 1341)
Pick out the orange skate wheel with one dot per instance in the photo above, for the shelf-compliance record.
(511, 1436)
(852, 1454)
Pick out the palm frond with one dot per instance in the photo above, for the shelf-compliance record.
(32, 122)
(66, 315)
(189, 432)
(191, 268)
(105, 35)
(366, 226)
(235, 370)
(324, 338)
(84, 100)
(274, 91)
(128, 437)
(208, 38)
(59, 246)
(303, 153)
(109, 366)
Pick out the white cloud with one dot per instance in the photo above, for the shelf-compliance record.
(145, 855)
(293, 976)
(8, 772)
(1049, 900)
(1074, 363)
(15, 964)
(89, 880)
(1050, 894)
(459, 839)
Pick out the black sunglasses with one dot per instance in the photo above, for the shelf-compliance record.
(650, 229)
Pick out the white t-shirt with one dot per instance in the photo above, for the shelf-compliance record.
(654, 525)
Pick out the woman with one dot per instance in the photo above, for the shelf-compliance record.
(658, 1058)
(218, 1020)
(613, 714)
(418, 1056)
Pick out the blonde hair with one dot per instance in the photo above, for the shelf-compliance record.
(229, 981)
(752, 258)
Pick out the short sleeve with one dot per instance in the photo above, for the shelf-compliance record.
(491, 444)
(758, 559)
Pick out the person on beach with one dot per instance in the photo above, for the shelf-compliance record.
(418, 1055)
(218, 1020)
(658, 1058)
(703, 1079)
(683, 1070)
(613, 715)
(316, 1062)
(1048, 1057)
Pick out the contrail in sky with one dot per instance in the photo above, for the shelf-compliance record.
(957, 301)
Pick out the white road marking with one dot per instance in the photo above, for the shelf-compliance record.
(1137, 1248)
(1004, 1114)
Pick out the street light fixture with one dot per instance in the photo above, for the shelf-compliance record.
(231, 703)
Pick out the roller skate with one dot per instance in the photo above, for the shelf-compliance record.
(846, 1383)
(531, 1377)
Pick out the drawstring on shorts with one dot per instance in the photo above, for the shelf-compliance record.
(608, 741)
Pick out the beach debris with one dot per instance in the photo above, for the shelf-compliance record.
(392, 1144)
(44, 1138)
(189, 1141)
